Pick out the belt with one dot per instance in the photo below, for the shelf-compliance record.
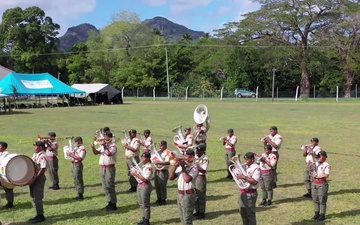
(144, 184)
(76, 163)
(319, 181)
(201, 177)
(230, 149)
(247, 191)
(187, 192)
(107, 166)
(266, 171)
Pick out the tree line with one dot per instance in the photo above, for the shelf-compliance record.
(305, 43)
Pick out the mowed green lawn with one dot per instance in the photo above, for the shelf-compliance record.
(335, 124)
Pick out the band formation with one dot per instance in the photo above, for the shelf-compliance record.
(188, 165)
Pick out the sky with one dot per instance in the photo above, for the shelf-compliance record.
(199, 15)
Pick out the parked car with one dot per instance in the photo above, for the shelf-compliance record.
(240, 93)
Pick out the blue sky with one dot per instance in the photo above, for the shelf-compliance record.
(200, 15)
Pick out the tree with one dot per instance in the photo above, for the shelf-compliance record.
(289, 23)
(77, 64)
(29, 37)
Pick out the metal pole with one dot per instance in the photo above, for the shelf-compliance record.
(273, 84)
(167, 73)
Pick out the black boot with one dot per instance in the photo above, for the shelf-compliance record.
(229, 176)
(38, 219)
(201, 216)
(9, 205)
(146, 222)
(108, 205)
(112, 207)
(316, 216)
(308, 194)
(79, 197)
(263, 202)
(56, 187)
(196, 214)
(268, 203)
(141, 222)
(321, 217)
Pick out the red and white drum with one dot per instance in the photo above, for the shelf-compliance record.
(17, 169)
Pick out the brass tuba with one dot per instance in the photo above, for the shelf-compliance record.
(68, 148)
(201, 114)
(237, 168)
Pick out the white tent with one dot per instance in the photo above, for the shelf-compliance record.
(98, 88)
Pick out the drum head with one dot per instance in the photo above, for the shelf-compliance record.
(6, 184)
(20, 170)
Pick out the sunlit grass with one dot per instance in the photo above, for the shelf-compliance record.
(335, 124)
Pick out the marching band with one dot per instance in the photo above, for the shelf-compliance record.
(190, 169)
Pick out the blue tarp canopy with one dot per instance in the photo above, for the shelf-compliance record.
(34, 84)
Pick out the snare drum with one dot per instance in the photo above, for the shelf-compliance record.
(17, 169)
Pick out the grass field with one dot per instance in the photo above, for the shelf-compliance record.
(335, 124)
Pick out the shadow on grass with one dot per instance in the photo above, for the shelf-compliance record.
(310, 222)
(67, 200)
(7, 113)
(290, 185)
(344, 214)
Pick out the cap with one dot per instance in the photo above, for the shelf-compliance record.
(230, 130)
(52, 134)
(146, 131)
(78, 138)
(268, 146)
(249, 155)
(146, 154)
(106, 129)
(201, 147)
(273, 128)
(322, 153)
(163, 142)
(190, 152)
(314, 139)
(40, 144)
(133, 131)
(109, 134)
(188, 128)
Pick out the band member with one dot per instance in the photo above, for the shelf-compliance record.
(132, 150)
(200, 181)
(107, 161)
(9, 191)
(229, 142)
(275, 140)
(147, 142)
(320, 187)
(37, 183)
(107, 130)
(200, 135)
(52, 157)
(77, 156)
(247, 198)
(310, 152)
(144, 186)
(162, 173)
(189, 139)
(186, 172)
(267, 163)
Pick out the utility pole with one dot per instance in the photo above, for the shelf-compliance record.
(273, 84)
(167, 74)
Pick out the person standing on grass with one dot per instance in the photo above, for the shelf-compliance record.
(9, 191)
(37, 183)
(107, 161)
(229, 142)
(310, 152)
(77, 156)
(147, 142)
(247, 198)
(52, 157)
(189, 139)
(144, 188)
(200, 181)
(267, 163)
(320, 187)
(275, 140)
(132, 150)
(185, 171)
(200, 132)
(162, 173)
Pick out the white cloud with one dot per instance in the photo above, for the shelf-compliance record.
(61, 11)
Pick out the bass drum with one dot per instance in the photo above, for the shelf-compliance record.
(17, 169)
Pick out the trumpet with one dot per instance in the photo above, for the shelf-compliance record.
(263, 138)
(304, 147)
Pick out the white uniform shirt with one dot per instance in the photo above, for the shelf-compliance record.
(232, 140)
(270, 158)
(277, 139)
(40, 160)
(189, 139)
(309, 158)
(146, 172)
(148, 141)
(52, 150)
(201, 137)
(135, 143)
(3, 154)
(253, 171)
(108, 160)
(204, 163)
(323, 169)
(165, 155)
(182, 185)
(79, 151)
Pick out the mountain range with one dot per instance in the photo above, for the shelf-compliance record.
(171, 31)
